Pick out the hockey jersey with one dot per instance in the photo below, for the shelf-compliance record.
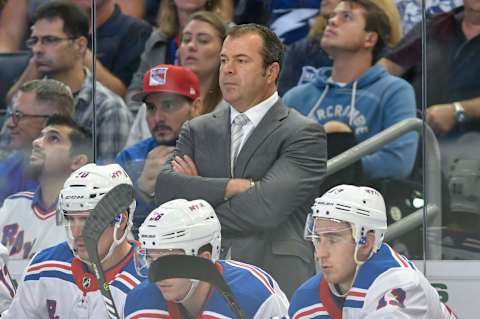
(387, 286)
(257, 293)
(57, 285)
(25, 228)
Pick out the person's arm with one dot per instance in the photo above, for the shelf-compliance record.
(441, 117)
(104, 76)
(288, 184)
(13, 25)
(392, 67)
(171, 185)
(228, 10)
(133, 8)
(396, 158)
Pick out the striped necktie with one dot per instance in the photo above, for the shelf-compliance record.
(237, 134)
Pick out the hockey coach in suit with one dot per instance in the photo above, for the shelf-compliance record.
(257, 162)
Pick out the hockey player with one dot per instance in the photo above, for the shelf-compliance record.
(59, 282)
(360, 277)
(7, 289)
(191, 227)
(27, 219)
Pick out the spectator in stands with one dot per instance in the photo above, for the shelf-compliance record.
(59, 44)
(304, 57)
(161, 47)
(27, 219)
(199, 50)
(120, 42)
(171, 94)
(34, 103)
(120, 38)
(360, 95)
(265, 190)
(453, 89)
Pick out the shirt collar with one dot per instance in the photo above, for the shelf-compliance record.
(256, 113)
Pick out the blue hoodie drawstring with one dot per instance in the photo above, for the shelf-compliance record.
(352, 104)
(324, 93)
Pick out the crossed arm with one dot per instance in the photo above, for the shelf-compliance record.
(293, 179)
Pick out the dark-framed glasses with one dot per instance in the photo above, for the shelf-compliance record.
(48, 40)
(17, 115)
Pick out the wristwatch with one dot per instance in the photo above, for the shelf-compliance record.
(459, 113)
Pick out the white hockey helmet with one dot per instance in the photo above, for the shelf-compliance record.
(182, 224)
(362, 207)
(86, 186)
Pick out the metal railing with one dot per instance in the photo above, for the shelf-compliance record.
(432, 186)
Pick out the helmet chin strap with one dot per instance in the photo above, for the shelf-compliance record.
(116, 242)
(191, 290)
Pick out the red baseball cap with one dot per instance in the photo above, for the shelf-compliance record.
(169, 78)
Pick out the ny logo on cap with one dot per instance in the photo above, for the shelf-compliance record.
(158, 76)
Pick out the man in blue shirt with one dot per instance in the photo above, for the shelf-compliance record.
(170, 93)
(35, 101)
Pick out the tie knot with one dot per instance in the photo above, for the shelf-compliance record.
(241, 120)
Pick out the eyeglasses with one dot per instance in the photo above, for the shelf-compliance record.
(17, 115)
(48, 40)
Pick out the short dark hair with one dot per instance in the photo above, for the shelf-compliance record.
(273, 49)
(75, 20)
(80, 137)
(376, 20)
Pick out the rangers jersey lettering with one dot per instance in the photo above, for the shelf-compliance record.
(257, 293)
(25, 228)
(58, 286)
(387, 286)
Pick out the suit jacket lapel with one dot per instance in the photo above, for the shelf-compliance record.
(267, 126)
(221, 138)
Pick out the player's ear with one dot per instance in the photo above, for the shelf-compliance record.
(206, 255)
(78, 161)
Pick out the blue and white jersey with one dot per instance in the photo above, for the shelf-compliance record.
(257, 293)
(26, 227)
(57, 285)
(387, 286)
(290, 19)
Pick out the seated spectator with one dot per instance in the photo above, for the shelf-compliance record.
(453, 89)
(35, 102)
(59, 44)
(28, 219)
(171, 94)
(354, 92)
(161, 47)
(304, 57)
(199, 50)
(120, 42)
(120, 38)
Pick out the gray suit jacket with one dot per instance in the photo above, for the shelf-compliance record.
(286, 157)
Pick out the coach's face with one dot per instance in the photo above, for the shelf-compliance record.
(244, 80)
